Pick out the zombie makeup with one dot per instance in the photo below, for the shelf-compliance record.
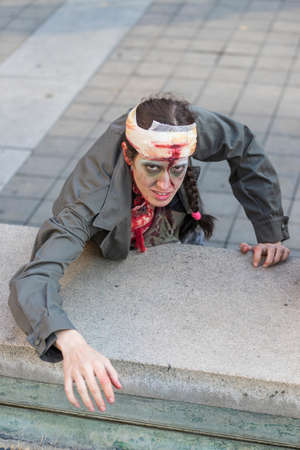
(158, 180)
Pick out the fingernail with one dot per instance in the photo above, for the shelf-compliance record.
(111, 399)
(102, 408)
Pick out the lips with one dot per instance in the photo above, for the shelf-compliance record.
(162, 196)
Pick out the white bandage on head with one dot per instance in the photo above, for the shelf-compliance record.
(161, 140)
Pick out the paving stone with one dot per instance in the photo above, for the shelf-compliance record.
(207, 45)
(295, 212)
(68, 168)
(132, 42)
(249, 36)
(215, 180)
(294, 79)
(284, 25)
(268, 77)
(217, 23)
(282, 38)
(294, 241)
(113, 112)
(207, 59)
(272, 63)
(27, 186)
(286, 125)
(58, 146)
(283, 145)
(144, 84)
(242, 48)
(84, 111)
(220, 205)
(163, 8)
(72, 128)
(43, 212)
(258, 99)
(122, 67)
(271, 50)
(221, 35)
(10, 161)
(95, 95)
(102, 80)
(149, 69)
(100, 128)
(219, 96)
(153, 19)
(189, 90)
(54, 192)
(285, 166)
(193, 71)
(290, 102)
(242, 231)
(43, 165)
(257, 123)
(126, 54)
(147, 30)
(28, 25)
(236, 61)
(227, 75)
(127, 98)
(172, 44)
(16, 209)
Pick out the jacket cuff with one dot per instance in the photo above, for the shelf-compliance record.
(273, 230)
(44, 337)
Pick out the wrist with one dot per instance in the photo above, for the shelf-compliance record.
(66, 339)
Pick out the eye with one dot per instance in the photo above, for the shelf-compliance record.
(178, 170)
(152, 168)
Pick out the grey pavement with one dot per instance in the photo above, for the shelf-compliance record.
(62, 81)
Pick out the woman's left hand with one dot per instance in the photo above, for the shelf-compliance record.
(273, 253)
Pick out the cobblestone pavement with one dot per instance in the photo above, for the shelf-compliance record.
(238, 57)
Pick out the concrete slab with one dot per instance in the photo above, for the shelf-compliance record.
(213, 330)
(56, 62)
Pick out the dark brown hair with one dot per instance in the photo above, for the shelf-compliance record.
(170, 110)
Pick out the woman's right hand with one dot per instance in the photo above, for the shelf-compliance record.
(84, 365)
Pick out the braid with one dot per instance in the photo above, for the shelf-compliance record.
(207, 221)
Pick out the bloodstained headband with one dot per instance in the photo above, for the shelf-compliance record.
(161, 141)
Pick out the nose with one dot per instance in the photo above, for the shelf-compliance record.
(164, 181)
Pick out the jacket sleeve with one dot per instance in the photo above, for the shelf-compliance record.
(253, 179)
(34, 300)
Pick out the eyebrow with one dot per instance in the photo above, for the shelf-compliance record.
(162, 164)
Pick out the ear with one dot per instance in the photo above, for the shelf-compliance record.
(125, 148)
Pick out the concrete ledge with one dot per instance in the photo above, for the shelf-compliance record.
(180, 323)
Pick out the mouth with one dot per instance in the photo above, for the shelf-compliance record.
(162, 196)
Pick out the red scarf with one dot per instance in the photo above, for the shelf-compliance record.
(142, 215)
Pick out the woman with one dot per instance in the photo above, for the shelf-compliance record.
(136, 187)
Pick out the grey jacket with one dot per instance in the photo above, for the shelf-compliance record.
(95, 203)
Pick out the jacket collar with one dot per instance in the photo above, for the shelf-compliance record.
(117, 204)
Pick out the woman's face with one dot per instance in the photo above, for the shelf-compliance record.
(158, 180)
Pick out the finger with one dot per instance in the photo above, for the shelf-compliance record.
(70, 393)
(105, 383)
(279, 252)
(112, 374)
(286, 253)
(269, 261)
(83, 392)
(244, 247)
(95, 390)
(257, 254)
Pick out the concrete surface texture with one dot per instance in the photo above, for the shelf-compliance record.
(179, 322)
(64, 76)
